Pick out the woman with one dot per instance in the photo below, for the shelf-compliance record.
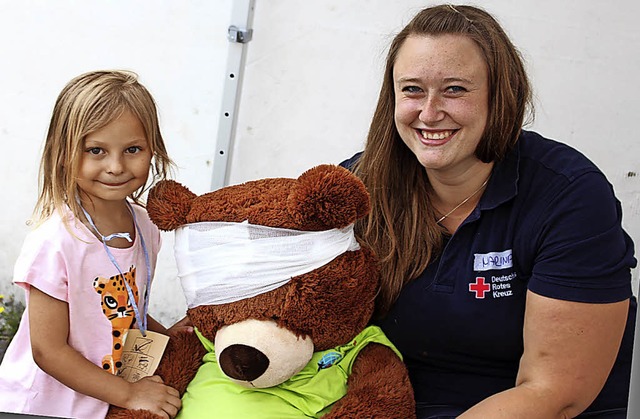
(506, 272)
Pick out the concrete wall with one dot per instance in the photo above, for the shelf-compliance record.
(312, 77)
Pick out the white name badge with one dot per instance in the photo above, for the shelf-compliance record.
(141, 354)
(492, 261)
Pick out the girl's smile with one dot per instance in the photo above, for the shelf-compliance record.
(114, 185)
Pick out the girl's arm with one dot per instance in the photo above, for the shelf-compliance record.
(49, 327)
(569, 350)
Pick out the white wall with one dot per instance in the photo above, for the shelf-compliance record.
(312, 77)
(313, 74)
(177, 48)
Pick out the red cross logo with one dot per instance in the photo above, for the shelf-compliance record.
(479, 287)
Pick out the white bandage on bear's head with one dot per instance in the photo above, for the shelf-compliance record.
(220, 262)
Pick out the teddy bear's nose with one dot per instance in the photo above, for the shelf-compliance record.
(243, 362)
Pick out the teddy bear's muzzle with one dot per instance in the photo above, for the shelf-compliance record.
(260, 354)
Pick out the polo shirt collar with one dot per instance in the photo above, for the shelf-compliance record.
(503, 185)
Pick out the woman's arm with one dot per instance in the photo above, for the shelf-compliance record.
(183, 325)
(49, 328)
(569, 350)
(156, 326)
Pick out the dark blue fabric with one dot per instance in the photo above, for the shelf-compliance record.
(437, 412)
(548, 222)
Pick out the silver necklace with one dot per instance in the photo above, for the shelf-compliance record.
(464, 201)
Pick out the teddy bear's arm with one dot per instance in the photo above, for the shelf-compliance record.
(178, 366)
(378, 387)
(120, 413)
(181, 360)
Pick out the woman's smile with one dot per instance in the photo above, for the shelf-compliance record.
(436, 137)
(442, 99)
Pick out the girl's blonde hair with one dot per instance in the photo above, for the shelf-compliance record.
(401, 227)
(86, 104)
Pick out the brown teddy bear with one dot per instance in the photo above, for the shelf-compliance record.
(281, 295)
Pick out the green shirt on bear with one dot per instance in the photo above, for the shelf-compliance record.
(309, 394)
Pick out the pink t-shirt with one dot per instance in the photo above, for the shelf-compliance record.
(76, 270)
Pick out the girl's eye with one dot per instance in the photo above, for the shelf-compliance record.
(94, 150)
(134, 149)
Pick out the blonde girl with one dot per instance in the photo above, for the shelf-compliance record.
(87, 266)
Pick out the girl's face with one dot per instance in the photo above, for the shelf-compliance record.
(441, 89)
(115, 160)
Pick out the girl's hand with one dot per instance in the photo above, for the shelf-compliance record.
(49, 331)
(151, 394)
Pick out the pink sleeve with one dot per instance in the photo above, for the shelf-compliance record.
(41, 264)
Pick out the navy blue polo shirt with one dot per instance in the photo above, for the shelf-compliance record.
(548, 222)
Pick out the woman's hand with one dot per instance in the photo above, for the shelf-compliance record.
(183, 325)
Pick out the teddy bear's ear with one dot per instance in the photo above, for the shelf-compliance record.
(330, 195)
(168, 204)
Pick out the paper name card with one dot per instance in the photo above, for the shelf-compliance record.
(141, 354)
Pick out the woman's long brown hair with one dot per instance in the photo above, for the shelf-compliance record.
(401, 227)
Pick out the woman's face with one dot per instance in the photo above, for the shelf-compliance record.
(441, 99)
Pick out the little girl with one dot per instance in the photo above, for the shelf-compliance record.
(87, 267)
